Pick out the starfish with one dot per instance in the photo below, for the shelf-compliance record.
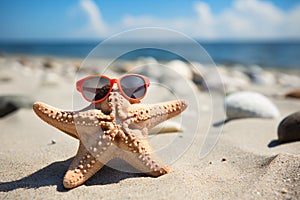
(114, 128)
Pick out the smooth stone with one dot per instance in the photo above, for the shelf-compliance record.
(11, 103)
(52, 64)
(6, 77)
(167, 127)
(289, 128)
(287, 80)
(181, 68)
(224, 81)
(260, 77)
(293, 94)
(249, 105)
(50, 79)
(266, 78)
(233, 84)
(171, 71)
(168, 77)
(182, 87)
(209, 81)
(150, 70)
(146, 60)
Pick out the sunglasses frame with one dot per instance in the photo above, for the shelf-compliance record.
(79, 87)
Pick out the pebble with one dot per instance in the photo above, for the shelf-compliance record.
(289, 128)
(222, 79)
(6, 76)
(233, 84)
(50, 79)
(11, 103)
(181, 68)
(52, 64)
(180, 86)
(287, 80)
(284, 191)
(259, 76)
(293, 94)
(151, 70)
(249, 105)
(167, 127)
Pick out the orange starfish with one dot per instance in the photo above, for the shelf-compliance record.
(114, 128)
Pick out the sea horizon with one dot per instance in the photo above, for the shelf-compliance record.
(264, 53)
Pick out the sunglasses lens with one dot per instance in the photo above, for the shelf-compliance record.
(133, 86)
(96, 88)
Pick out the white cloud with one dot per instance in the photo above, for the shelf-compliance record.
(251, 19)
(244, 19)
(293, 22)
(204, 14)
(95, 26)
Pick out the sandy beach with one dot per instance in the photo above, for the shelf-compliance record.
(247, 161)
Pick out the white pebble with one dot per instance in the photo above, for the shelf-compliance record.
(249, 105)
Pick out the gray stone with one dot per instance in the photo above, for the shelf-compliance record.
(11, 103)
(289, 128)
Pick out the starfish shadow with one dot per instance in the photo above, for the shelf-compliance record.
(53, 175)
(107, 175)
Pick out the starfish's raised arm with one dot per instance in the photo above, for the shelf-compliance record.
(150, 115)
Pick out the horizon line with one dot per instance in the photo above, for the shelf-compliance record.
(81, 41)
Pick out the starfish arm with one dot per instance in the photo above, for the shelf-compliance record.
(62, 120)
(142, 157)
(150, 115)
(136, 150)
(147, 163)
(82, 168)
(95, 150)
(70, 122)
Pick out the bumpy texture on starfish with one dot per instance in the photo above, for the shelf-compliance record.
(111, 129)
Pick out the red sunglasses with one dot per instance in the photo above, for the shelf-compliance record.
(96, 88)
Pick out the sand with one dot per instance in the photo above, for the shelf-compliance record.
(246, 163)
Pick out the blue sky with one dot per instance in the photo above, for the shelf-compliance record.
(97, 19)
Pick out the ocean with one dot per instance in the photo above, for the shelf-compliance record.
(264, 54)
